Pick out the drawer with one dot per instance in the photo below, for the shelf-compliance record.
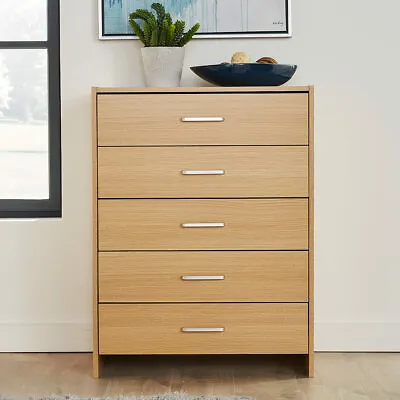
(251, 224)
(184, 172)
(235, 328)
(157, 119)
(203, 277)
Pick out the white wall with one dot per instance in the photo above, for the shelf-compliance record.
(45, 266)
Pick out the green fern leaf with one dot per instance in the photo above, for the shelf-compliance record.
(141, 14)
(158, 29)
(154, 38)
(188, 36)
(160, 10)
(147, 33)
(170, 36)
(164, 33)
(138, 30)
(179, 31)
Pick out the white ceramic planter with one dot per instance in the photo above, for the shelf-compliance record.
(163, 65)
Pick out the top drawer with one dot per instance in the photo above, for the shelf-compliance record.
(202, 119)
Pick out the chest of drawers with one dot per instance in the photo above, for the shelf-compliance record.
(203, 221)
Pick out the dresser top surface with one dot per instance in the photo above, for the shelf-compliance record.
(203, 89)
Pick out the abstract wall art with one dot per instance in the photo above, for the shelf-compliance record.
(218, 18)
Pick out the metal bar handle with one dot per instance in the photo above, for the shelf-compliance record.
(203, 225)
(203, 278)
(203, 172)
(202, 119)
(198, 330)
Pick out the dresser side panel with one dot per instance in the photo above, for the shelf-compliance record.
(311, 237)
(96, 356)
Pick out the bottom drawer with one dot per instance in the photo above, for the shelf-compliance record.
(257, 328)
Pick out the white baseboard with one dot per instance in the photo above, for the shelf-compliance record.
(45, 337)
(357, 336)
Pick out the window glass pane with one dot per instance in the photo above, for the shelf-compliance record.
(24, 166)
(23, 20)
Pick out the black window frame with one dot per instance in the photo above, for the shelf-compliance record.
(51, 207)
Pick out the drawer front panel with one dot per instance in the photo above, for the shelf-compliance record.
(184, 172)
(222, 119)
(227, 328)
(251, 224)
(203, 277)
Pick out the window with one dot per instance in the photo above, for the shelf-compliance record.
(30, 117)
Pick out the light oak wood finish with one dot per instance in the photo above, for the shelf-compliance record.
(265, 198)
(204, 89)
(249, 328)
(96, 357)
(338, 376)
(248, 277)
(262, 224)
(249, 119)
(311, 234)
(157, 172)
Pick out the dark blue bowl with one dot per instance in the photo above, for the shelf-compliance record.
(245, 74)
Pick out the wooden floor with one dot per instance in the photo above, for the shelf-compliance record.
(338, 376)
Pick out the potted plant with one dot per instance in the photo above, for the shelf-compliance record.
(164, 42)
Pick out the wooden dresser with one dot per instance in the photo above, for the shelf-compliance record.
(203, 221)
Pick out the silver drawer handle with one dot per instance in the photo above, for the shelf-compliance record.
(202, 119)
(196, 330)
(205, 172)
(203, 225)
(204, 278)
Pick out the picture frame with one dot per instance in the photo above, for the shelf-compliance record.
(283, 29)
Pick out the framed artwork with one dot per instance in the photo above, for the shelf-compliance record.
(217, 18)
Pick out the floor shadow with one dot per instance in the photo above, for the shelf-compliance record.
(199, 367)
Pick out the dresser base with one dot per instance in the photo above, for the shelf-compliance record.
(307, 363)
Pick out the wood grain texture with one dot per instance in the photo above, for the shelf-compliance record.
(203, 89)
(249, 328)
(311, 235)
(96, 356)
(261, 224)
(249, 277)
(156, 172)
(250, 119)
(260, 288)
